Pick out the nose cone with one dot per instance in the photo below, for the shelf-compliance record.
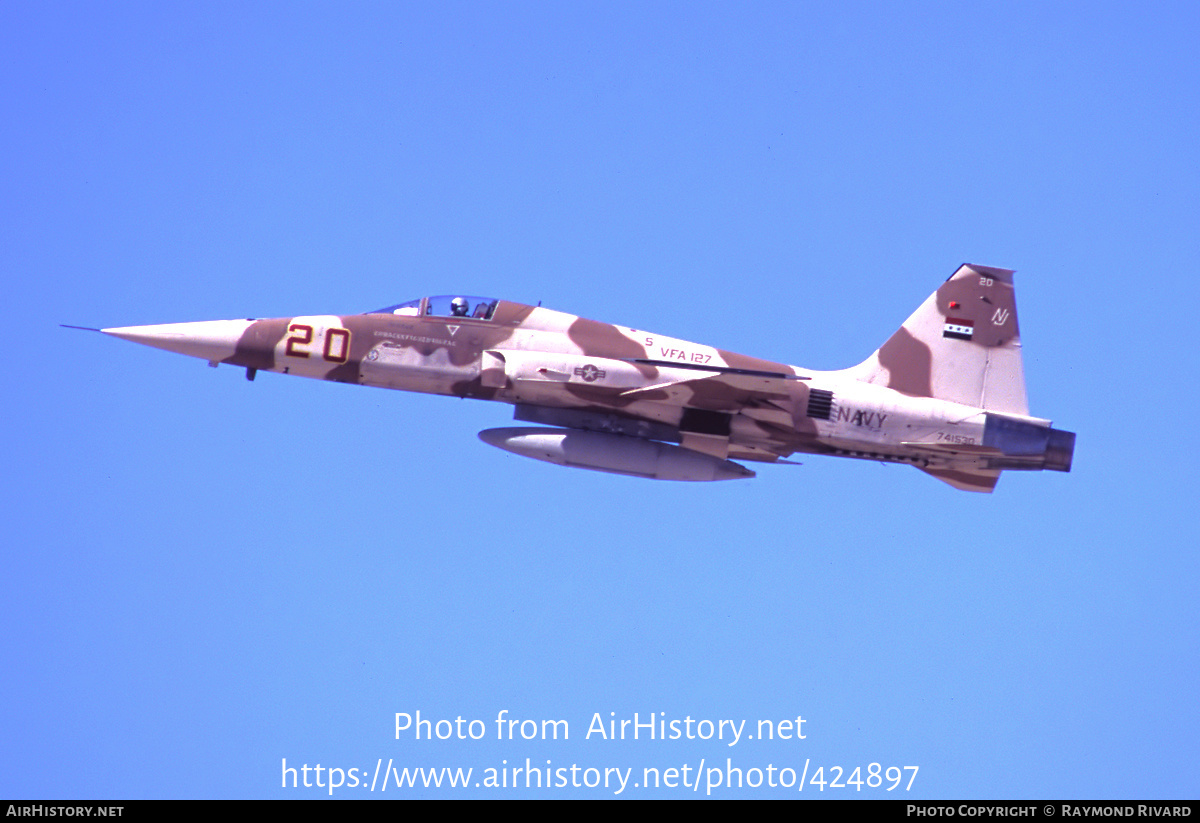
(210, 339)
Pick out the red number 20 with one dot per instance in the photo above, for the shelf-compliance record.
(337, 342)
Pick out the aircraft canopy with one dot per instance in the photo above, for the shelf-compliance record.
(446, 305)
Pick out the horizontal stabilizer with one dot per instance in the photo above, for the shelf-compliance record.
(967, 480)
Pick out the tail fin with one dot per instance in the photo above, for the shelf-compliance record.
(962, 345)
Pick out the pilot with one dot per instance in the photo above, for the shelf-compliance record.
(459, 307)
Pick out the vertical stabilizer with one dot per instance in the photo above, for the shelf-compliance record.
(962, 345)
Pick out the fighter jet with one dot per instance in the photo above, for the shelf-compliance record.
(945, 393)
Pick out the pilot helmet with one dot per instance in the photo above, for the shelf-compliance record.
(459, 306)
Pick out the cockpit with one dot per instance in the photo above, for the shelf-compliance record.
(446, 305)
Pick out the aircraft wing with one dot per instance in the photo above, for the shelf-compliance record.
(691, 384)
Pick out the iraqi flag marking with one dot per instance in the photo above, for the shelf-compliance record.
(958, 328)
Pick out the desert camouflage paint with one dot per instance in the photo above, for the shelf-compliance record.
(946, 393)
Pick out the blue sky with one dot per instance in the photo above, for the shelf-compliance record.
(204, 577)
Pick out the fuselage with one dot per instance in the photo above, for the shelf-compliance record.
(902, 405)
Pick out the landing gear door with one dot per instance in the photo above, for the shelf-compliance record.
(491, 370)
